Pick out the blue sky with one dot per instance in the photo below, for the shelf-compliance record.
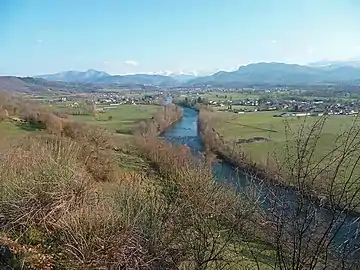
(128, 36)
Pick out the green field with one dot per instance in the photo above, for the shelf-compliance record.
(122, 119)
(262, 124)
(11, 130)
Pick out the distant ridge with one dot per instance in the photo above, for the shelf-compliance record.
(333, 72)
(280, 74)
(100, 77)
(88, 76)
(37, 85)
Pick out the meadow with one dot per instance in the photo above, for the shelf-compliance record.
(122, 119)
(276, 131)
(13, 130)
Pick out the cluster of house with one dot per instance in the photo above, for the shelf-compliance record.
(293, 108)
(331, 112)
(113, 99)
(246, 102)
(314, 108)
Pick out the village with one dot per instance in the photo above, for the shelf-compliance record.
(289, 108)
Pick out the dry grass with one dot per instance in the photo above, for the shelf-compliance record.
(209, 221)
(41, 181)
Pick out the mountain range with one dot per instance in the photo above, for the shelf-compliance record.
(94, 76)
(265, 74)
(281, 74)
(100, 77)
(333, 72)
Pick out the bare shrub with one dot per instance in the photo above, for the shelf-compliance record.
(316, 228)
(204, 221)
(89, 134)
(96, 153)
(41, 182)
(164, 118)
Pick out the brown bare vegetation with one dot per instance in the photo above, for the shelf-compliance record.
(207, 222)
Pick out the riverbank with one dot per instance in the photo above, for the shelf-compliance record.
(161, 121)
(288, 176)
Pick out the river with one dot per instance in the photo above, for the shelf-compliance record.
(186, 132)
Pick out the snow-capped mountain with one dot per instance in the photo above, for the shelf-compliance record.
(88, 76)
(336, 63)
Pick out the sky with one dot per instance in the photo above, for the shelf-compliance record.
(142, 36)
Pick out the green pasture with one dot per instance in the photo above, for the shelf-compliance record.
(122, 119)
(278, 131)
(12, 129)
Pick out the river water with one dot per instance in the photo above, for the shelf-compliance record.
(185, 131)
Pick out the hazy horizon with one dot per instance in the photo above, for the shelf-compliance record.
(128, 37)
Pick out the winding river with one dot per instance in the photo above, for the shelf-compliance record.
(185, 131)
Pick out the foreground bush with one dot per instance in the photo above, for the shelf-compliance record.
(207, 222)
(41, 181)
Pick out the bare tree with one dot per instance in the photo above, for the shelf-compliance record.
(312, 222)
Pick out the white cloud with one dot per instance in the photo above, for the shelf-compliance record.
(39, 41)
(131, 62)
(273, 41)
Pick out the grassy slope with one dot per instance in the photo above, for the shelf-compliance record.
(10, 130)
(125, 118)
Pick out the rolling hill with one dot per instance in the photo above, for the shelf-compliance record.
(36, 85)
